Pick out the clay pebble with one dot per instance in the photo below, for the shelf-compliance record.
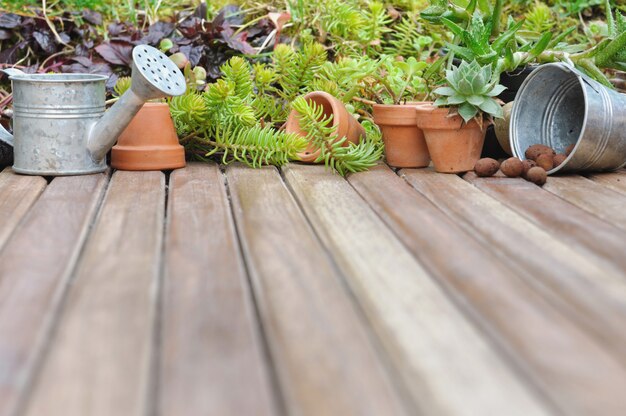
(534, 151)
(486, 167)
(537, 175)
(512, 167)
(545, 161)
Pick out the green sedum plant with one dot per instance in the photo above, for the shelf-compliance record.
(343, 159)
(239, 115)
(471, 89)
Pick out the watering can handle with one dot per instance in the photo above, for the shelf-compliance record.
(12, 71)
(5, 136)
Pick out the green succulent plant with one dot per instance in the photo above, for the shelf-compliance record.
(471, 88)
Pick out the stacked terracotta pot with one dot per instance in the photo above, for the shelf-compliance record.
(415, 133)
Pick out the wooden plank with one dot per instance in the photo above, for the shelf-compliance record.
(17, 195)
(564, 363)
(432, 345)
(587, 234)
(612, 180)
(325, 361)
(35, 268)
(212, 359)
(99, 359)
(593, 197)
(591, 295)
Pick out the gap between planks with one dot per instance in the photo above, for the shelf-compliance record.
(211, 360)
(590, 235)
(98, 362)
(35, 270)
(320, 347)
(520, 321)
(17, 194)
(432, 345)
(592, 296)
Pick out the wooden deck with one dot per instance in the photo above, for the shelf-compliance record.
(297, 292)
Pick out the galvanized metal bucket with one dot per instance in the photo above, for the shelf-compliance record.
(559, 106)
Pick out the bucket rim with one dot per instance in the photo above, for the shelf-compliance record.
(567, 68)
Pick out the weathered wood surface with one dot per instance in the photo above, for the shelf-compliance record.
(613, 180)
(591, 236)
(17, 195)
(591, 196)
(431, 344)
(255, 293)
(324, 357)
(593, 297)
(99, 357)
(212, 362)
(35, 267)
(526, 326)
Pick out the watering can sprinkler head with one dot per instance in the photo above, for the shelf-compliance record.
(154, 76)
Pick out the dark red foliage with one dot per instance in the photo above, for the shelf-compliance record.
(29, 42)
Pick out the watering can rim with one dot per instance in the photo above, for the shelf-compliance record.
(58, 77)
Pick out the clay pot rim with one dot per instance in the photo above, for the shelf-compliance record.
(401, 115)
(445, 120)
(411, 104)
(154, 104)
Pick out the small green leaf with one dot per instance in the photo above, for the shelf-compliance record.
(456, 100)
(447, 91)
(476, 100)
(467, 111)
(441, 102)
(490, 106)
(497, 90)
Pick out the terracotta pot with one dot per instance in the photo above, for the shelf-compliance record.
(149, 142)
(405, 146)
(501, 127)
(343, 121)
(454, 147)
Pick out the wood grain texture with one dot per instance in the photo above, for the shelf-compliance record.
(589, 235)
(613, 180)
(432, 345)
(212, 358)
(35, 268)
(576, 373)
(592, 197)
(99, 358)
(17, 195)
(590, 295)
(323, 354)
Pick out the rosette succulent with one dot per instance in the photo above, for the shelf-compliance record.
(471, 88)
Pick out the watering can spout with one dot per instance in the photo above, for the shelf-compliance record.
(105, 132)
(154, 76)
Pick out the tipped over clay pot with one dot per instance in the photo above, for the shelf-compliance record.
(149, 142)
(454, 146)
(345, 124)
(405, 146)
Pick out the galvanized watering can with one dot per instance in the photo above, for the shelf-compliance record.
(559, 106)
(59, 121)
